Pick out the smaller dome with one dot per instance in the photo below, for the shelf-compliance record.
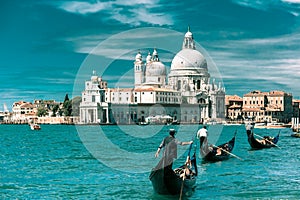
(156, 69)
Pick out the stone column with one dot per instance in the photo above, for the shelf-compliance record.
(107, 115)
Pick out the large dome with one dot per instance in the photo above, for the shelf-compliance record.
(188, 59)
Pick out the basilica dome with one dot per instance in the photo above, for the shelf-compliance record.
(188, 59)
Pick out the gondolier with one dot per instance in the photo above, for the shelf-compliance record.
(170, 144)
(181, 180)
(202, 135)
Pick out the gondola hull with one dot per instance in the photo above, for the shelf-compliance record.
(212, 156)
(296, 135)
(257, 145)
(166, 182)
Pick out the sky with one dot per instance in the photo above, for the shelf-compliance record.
(255, 44)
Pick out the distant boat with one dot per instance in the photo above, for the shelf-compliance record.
(217, 153)
(143, 123)
(272, 125)
(35, 126)
(158, 119)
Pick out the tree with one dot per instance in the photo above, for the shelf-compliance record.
(55, 109)
(41, 112)
(66, 98)
(67, 106)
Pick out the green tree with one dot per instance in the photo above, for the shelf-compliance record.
(67, 98)
(67, 106)
(42, 112)
(54, 110)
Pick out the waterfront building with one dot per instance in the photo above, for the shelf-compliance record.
(23, 111)
(268, 106)
(185, 94)
(296, 108)
(93, 107)
(234, 107)
(48, 106)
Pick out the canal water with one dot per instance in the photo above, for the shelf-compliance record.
(114, 162)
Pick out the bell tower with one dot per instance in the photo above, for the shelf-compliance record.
(138, 70)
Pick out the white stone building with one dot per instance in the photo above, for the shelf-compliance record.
(22, 112)
(185, 94)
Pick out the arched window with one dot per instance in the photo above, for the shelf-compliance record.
(179, 84)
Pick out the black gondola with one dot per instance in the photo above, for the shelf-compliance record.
(255, 144)
(167, 181)
(296, 135)
(219, 153)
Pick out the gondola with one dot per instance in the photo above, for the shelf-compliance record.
(296, 135)
(255, 144)
(167, 181)
(212, 154)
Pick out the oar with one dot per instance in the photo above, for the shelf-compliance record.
(181, 189)
(228, 152)
(267, 140)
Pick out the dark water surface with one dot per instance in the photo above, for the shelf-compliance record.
(113, 162)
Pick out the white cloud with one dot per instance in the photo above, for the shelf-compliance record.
(125, 44)
(136, 2)
(290, 6)
(274, 60)
(292, 1)
(85, 7)
(127, 12)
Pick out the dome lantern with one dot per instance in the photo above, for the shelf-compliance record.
(188, 42)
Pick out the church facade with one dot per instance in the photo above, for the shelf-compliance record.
(186, 94)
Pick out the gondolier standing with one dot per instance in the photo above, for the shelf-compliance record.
(202, 135)
(170, 144)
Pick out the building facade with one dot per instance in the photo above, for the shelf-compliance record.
(234, 108)
(23, 112)
(94, 108)
(268, 106)
(185, 94)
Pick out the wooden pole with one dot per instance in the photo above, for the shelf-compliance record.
(267, 140)
(181, 189)
(228, 152)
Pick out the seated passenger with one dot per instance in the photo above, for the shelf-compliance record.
(219, 151)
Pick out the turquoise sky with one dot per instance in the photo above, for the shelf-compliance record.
(254, 43)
